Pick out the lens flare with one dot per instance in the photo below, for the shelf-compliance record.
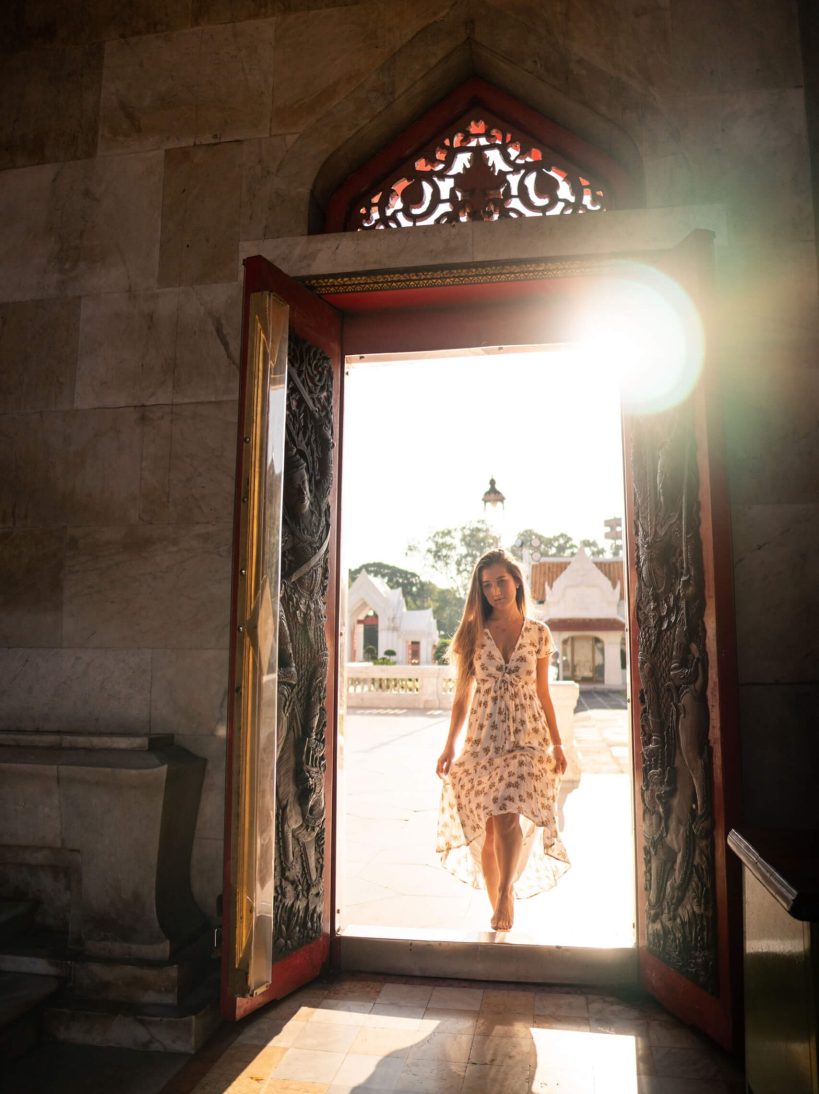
(645, 326)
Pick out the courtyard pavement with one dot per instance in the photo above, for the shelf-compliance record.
(390, 876)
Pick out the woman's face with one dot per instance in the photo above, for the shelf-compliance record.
(498, 586)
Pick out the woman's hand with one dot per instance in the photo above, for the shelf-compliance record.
(561, 763)
(445, 761)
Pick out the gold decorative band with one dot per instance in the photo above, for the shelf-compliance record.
(479, 274)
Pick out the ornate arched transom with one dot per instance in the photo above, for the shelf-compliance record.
(478, 155)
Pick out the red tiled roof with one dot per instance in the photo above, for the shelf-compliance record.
(609, 624)
(547, 571)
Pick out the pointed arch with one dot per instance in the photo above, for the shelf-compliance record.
(479, 153)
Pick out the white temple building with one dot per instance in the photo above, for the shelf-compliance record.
(582, 600)
(378, 620)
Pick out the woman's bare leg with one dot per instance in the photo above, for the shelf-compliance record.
(508, 844)
(489, 862)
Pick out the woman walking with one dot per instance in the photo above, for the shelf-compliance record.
(497, 824)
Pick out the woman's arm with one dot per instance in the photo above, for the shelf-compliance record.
(460, 708)
(549, 711)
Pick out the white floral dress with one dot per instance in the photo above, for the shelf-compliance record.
(506, 766)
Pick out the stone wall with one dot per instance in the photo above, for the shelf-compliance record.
(142, 143)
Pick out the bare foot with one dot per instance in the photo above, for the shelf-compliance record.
(504, 915)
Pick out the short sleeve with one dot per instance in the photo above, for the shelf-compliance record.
(546, 644)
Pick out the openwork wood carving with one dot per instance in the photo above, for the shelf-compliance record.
(678, 847)
(303, 656)
(481, 168)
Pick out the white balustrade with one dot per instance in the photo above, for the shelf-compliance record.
(431, 687)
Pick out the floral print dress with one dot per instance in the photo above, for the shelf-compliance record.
(506, 766)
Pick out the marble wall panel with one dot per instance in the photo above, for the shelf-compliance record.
(31, 586)
(33, 470)
(775, 592)
(201, 200)
(235, 93)
(749, 150)
(70, 466)
(51, 99)
(20, 784)
(147, 586)
(768, 307)
(79, 691)
(86, 226)
(334, 49)
(189, 692)
(154, 502)
(126, 349)
(102, 466)
(203, 460)
(780, 754)
(207, 865)
(149, 89)
(630, 38)
(188, 463)
(208, 343)
(771, 430)
(38, 354)
(261, 189)
(29, 24)
(735, 45)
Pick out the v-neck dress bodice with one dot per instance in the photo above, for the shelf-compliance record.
(506, 766)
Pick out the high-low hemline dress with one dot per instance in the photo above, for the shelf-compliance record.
(506, 766)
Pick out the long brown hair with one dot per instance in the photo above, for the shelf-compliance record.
(477, 612)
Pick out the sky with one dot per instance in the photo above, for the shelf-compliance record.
(418, 455)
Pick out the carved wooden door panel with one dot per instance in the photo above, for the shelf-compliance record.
(278, 839)
(683, 693)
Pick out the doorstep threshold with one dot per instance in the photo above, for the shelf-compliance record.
(481, 956)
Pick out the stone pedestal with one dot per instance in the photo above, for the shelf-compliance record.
(102, 827)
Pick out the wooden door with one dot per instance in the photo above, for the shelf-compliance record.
(684, 716)
(277, 906)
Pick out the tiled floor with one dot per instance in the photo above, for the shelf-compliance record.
(433, 1037)
(390, 876)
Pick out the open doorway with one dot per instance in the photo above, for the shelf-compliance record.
(423, 438)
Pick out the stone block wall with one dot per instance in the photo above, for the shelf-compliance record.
(142, 144)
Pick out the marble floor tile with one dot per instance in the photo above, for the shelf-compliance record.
(411, 995)
(310, 1065)
(240, 1069)
(360, 990)
(572, 1082)
(501, 1050)
(378, 1041)
(425, 1076)
(503, 1025)
(341, 1012)
(294, 1086)
(562, 1004)
(395, 1016)
(449, 1021)
(496, 1079)
(325, 1037)
(452, 1048)
(509, 1002)
(364, 1072)
(277, 1031)
(456, 998)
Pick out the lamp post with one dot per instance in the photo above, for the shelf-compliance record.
(494, 498)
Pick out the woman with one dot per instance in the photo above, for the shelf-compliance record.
(512, 760)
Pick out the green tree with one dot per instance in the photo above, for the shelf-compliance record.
(559, 546)
(447, 607)
(593, 548)
(453, 552)
(416, 590)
